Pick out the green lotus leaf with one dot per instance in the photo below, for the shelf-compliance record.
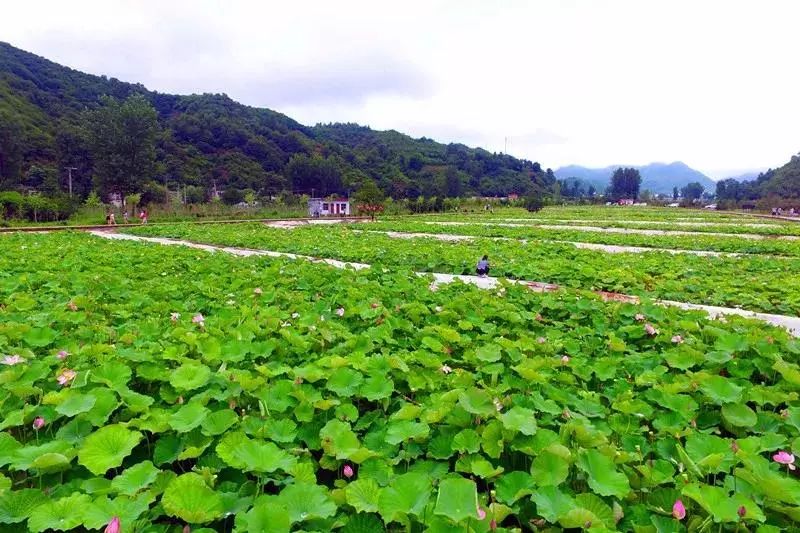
(589, 509)
(265, 516)
(721, 390)
(167, 449)
(722, 505)
(188, 417)
(189, 498)
(40, 337)
(457, 499)
(61, 515)
(404, 430)
(520, 419)
(193, 445)
(363, 523)
(134, 478)
(75, 403)
(477, 401)
(239, 451)
(551, 466)
(489, 353)
(100, 512)
(107, 447)
(137, 403)
(189, 376)
(280, 430)
(377, 387)
(512, 486)
(739, 415)
(363, 495)
(8, 446)
(306, 502)
(709, 453)
(407, 494)
(551, 503)
(17, 505)
(218, 422)
(113, 374)
(24, 457)
(344, 382)
(602, 475)
(105, 404)
(52, 462)
(466, 441)
(339, 440)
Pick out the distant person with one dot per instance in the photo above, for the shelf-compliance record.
(112, 220)
(125, 218)
(143, 216)
(108, 219)
(482, 267)
(774, 211)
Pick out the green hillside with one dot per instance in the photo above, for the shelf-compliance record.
(211, 142)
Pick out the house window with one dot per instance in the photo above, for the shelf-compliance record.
(344, 207)
(325, 207)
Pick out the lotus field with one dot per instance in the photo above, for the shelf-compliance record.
(151, 388)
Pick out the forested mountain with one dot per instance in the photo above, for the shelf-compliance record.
(658, 178)
(772, 185)
(49, 120)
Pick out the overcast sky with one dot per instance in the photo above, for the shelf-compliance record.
(712, 83)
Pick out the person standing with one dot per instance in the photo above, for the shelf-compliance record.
(125, 218)
(111, 220)
(143, 216)
(482, 268)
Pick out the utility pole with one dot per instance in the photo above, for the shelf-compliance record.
(69, 170)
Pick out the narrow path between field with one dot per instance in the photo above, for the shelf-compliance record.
(639, 231)
(632, 222)
(792, 324)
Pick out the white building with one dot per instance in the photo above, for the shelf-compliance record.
(320, 207)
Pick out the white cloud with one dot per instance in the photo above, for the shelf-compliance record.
(712, 83)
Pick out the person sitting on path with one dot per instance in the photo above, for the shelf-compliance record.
(483, 266)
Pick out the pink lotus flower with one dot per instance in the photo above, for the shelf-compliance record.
(541, 340)
(187, 529)
(677, 339)
(446, 369)
(650, 330)
(38, 423)
(340, 311)
(493, 525)
(63, 354)
(113, 526)
(639, 317)
(257, 291)
(66, 376)
(199, 319)
(678, 510)
(784, 458)
(71, 306)
(348, 471)
(564, 359)
(174, 317)
(741, 511)
(481, 514)
(12, 360)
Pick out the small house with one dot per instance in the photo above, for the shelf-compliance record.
(320, 207)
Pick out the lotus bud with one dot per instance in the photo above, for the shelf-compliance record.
(38, 423)
(113, 526)
(678, 510)
(348, 471)
(741, 511)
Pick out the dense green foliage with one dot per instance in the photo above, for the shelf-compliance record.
(774, 188)
(754, 283)
(210, 141)
(625, 183)
(307, 398)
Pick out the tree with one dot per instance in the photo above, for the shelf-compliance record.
(369, 199)
(452, 183)
(675, 193)
(533, 203)
(625, 183)
(122, 139)
(317, 174)
(10, 150)
(692, 191)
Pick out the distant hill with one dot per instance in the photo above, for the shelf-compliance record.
(746, 176)
(211, 141)
(659, 178)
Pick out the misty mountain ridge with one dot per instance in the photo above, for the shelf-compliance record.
(659, 178)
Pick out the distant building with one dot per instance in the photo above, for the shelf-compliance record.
(320, 207)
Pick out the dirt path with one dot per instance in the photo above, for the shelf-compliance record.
(792, 324)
